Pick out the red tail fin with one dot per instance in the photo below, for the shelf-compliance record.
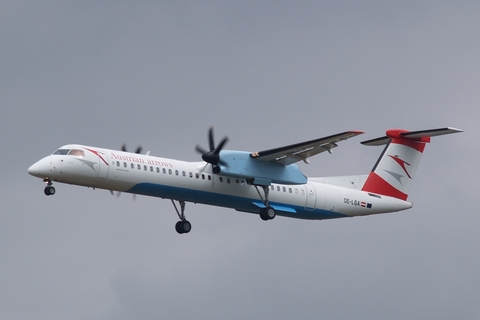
(394, 171)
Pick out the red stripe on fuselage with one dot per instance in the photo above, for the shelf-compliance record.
(98, 155)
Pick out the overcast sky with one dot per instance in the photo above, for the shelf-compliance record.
(266, 74)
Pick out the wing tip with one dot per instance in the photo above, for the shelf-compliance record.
(355, 132)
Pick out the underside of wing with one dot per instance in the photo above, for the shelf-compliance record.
(304, 150)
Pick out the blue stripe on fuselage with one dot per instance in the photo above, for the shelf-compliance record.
(223, 200)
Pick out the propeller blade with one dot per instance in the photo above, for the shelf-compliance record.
(210, 139)
(220, 146)
(200, 149)
(138, 150)
(212, 156)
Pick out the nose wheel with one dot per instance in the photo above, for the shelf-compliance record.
(49, 189)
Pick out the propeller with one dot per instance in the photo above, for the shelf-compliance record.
(213, 155)
(138, 150)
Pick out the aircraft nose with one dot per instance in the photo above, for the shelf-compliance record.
(38, 169)
(34, 169)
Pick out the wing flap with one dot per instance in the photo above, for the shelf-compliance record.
(304, 150)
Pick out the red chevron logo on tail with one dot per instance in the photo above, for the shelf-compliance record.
(401, 163)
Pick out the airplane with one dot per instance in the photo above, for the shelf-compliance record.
(267, 183)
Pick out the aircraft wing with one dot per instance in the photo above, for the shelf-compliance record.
(304, 150)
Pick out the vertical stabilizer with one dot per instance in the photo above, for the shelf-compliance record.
(394, 171)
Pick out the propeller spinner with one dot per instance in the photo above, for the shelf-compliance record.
(212, 156)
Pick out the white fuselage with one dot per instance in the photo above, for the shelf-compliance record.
(194, 182)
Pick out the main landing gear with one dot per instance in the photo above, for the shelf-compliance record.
(49, 189)
(267, 213)
(182, 226)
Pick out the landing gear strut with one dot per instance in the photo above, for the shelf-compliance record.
(49, 189)
(267, 213)
(182, 226)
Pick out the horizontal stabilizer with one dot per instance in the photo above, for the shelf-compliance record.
(414, 135)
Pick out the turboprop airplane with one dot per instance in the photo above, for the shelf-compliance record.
(267, 183)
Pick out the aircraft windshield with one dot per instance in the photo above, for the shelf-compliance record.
(62, 151)
(70, 152)
(75, 152)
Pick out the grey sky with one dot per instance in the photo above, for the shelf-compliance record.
(265, 74)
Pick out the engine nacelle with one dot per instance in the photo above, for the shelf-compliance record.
(239, 164)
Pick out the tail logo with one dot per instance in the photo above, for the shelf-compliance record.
(402, 164)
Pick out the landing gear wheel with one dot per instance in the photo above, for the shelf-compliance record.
(183, 227)
(49, 191)
(267, 213)
(270, 213)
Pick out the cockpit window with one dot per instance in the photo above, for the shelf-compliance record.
(70, 152)
(62, 151)
(75, 152)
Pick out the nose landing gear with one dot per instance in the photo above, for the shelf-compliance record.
(49, 189)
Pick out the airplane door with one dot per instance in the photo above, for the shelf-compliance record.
(311, 197)
(102, 165)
